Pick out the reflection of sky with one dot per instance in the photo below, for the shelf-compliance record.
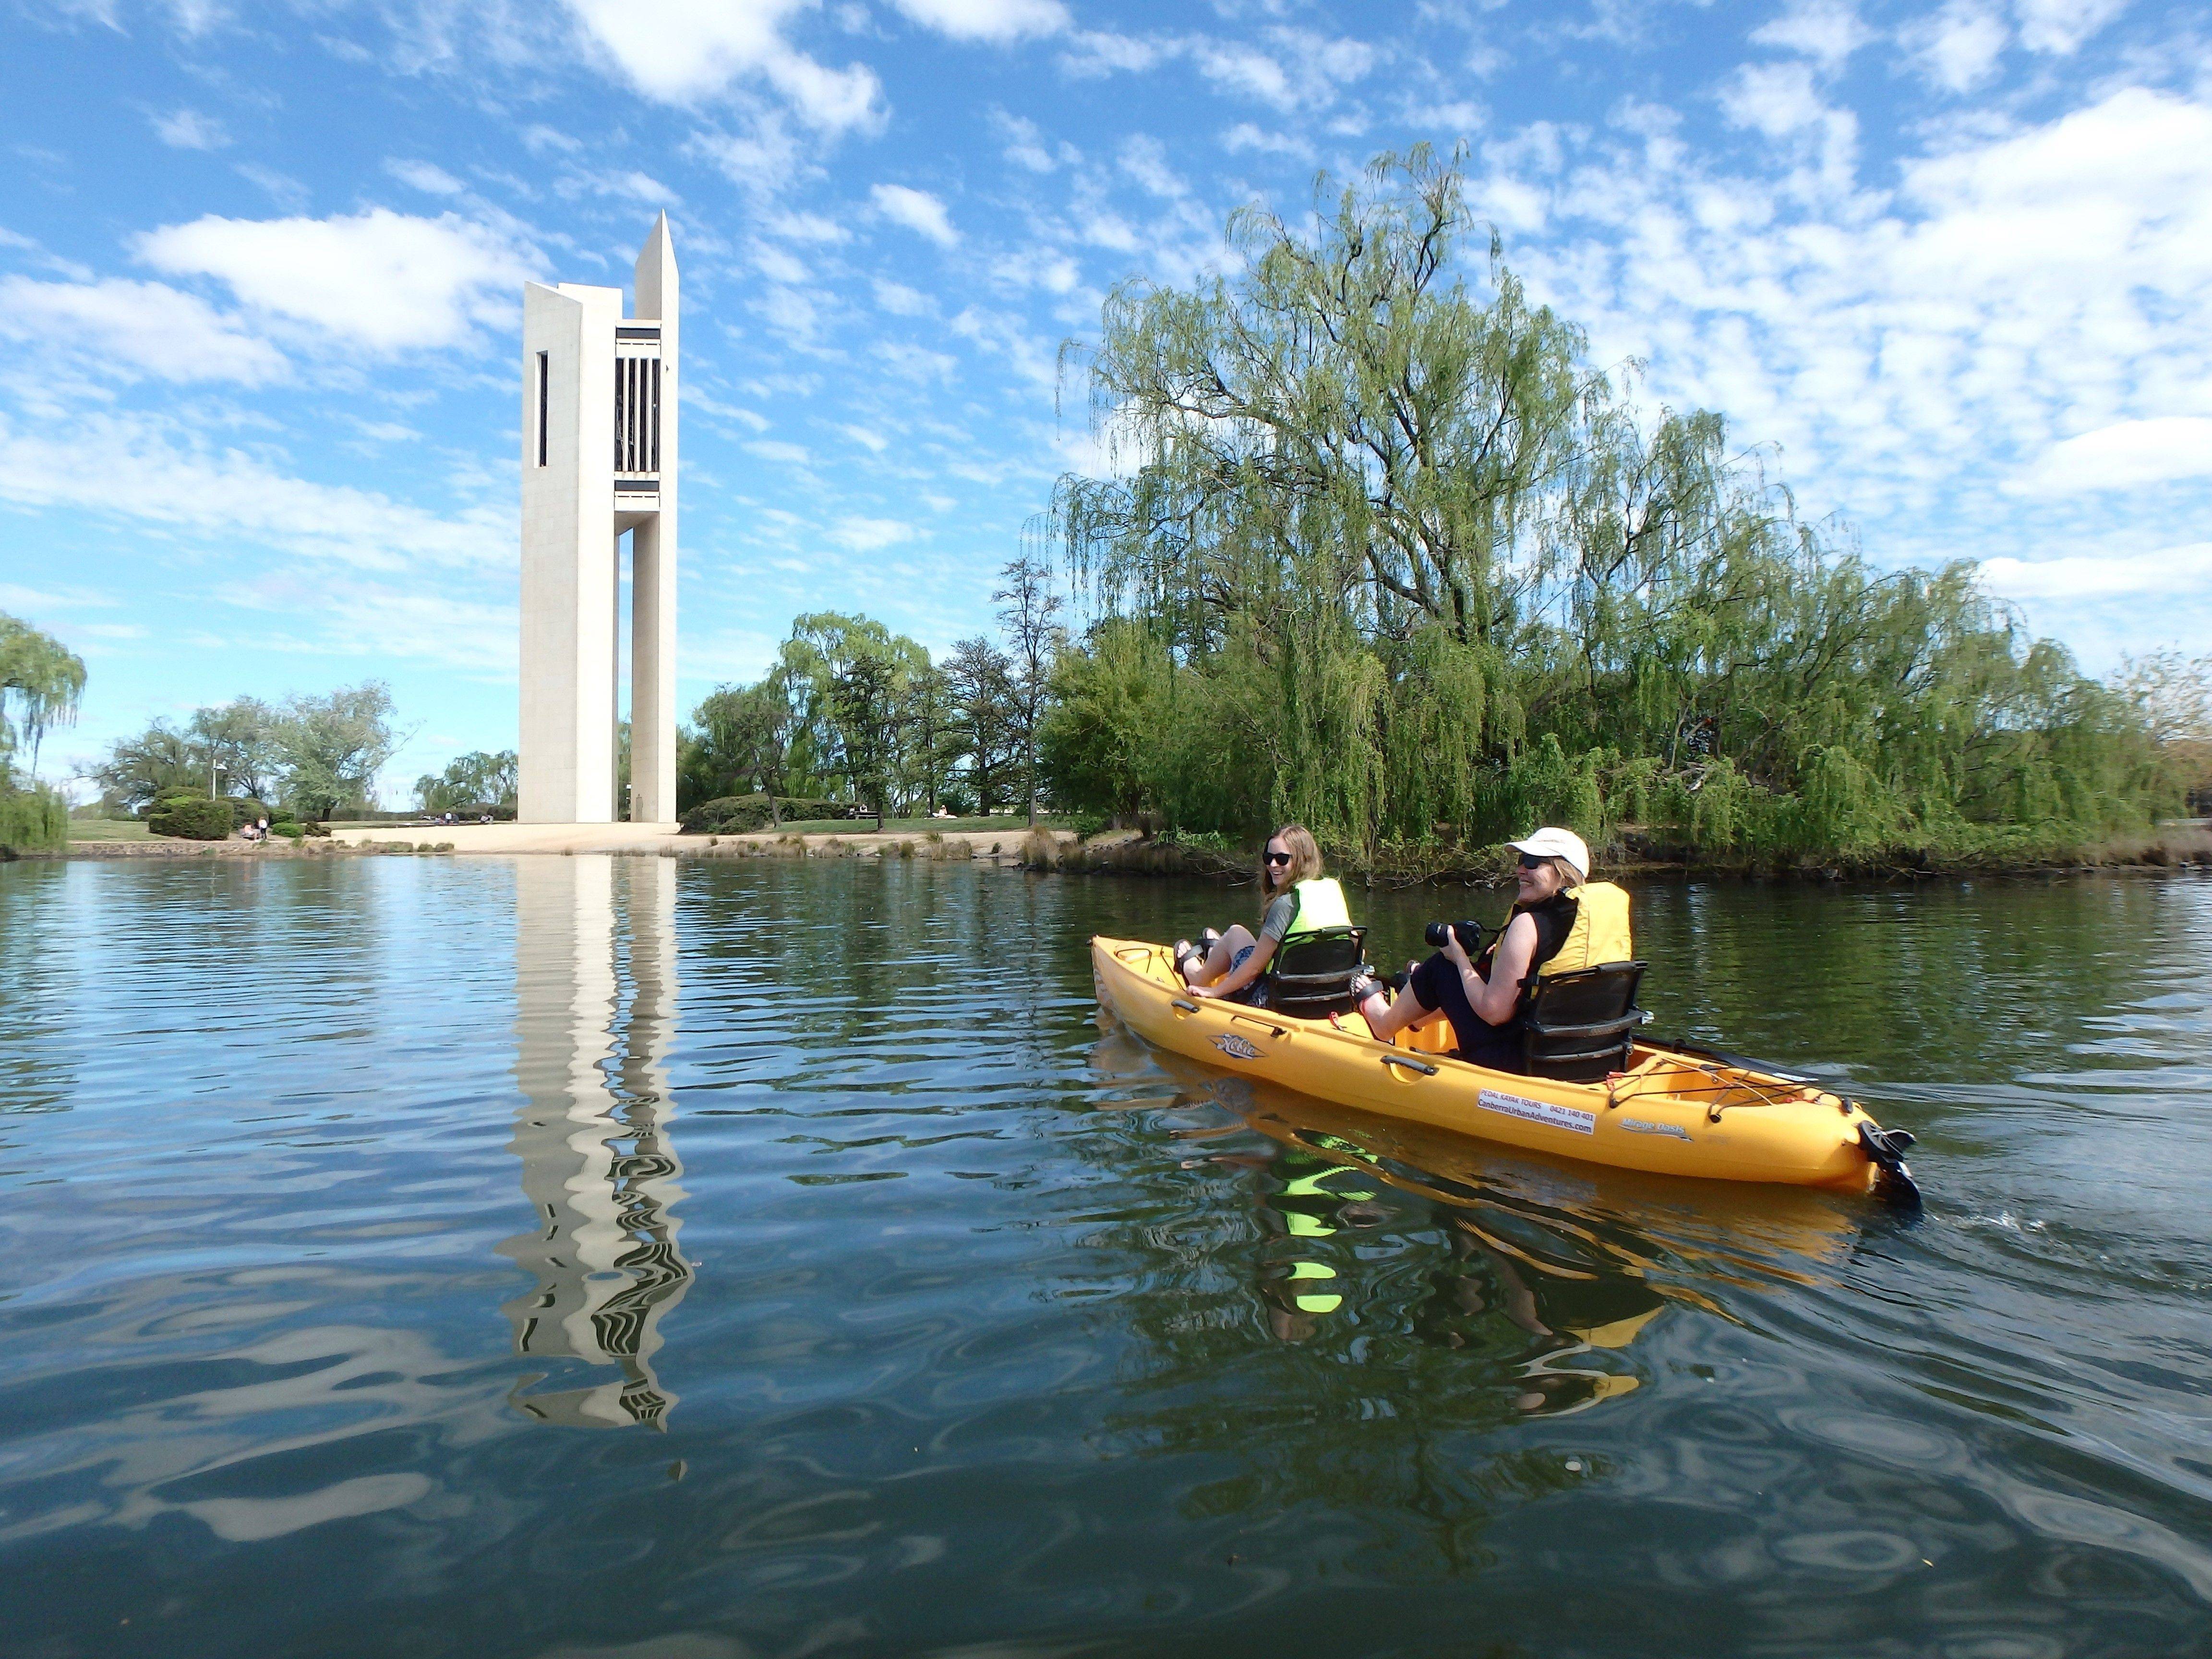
(589, 1043)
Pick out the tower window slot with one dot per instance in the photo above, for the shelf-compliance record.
(544, 385)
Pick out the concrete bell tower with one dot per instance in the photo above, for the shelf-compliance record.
(599, 460)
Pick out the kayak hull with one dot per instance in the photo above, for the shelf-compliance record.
(1670, 1113)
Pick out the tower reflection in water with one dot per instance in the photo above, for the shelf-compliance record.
(595, 1007)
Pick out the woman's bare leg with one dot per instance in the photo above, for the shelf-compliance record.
(1218, 960)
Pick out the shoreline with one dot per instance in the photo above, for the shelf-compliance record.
(1125, 851)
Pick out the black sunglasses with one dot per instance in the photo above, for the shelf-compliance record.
(1532, 861)
(1279, 858)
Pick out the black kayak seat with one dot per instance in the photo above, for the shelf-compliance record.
(1311, 976)
(1581, 1026)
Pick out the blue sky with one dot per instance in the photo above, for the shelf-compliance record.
(259, 269)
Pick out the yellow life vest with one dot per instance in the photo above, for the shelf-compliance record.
(1320, 905)
(1600, 932)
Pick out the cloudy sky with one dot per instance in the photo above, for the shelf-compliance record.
(1951, 265)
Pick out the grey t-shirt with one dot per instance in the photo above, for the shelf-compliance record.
(1281, 911)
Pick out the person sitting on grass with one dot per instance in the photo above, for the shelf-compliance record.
(1487, 998)
(1295, 899)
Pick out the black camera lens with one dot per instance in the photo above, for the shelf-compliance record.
(1470, 935)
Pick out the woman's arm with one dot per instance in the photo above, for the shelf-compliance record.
(1237, 978)
(1493, 1001)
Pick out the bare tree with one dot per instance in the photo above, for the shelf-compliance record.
(1028, 610)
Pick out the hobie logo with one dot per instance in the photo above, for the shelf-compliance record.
(1235, 1046)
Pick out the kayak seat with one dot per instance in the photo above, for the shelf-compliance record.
(1582, 1025)
(1311, 977)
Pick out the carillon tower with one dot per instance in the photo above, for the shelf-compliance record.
(599, 462)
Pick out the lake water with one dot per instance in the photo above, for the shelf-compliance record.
(687, 1260)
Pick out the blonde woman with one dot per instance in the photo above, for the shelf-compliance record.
(1295, 899)
(1485, 998)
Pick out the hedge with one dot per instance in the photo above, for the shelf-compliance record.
(194, 817)
(741, 815)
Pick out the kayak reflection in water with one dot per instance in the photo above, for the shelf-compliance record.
(1486, 998)
(1295, 899)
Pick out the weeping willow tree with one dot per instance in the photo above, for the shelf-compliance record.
(41, 682)
(1399, 562)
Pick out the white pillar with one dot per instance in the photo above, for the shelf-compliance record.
(568, 717)
(653, 563)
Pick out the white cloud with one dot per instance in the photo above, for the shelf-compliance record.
(427, 177)
(1302, 71)
(901, 300)
(382, 279)
(150, 473)
(805, 228)
(1093, 54)
(917, 209)
(1245, 136)
(188, 129)
(685, 52)
(1778, 99)
(1826, 31)
(2123, 456)
(2058, 27)
(995, 20)
(1144, 158)
(778, 266)
(135, 328)
(774, 449)
(1921, 355)
(875, 442)
(868, 535)
(1958, 48)
(1293, 69)
(2091, 576)
(1025, 143)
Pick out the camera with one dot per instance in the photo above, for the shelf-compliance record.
(1470, 935)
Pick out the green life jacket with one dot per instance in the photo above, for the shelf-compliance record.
(1320, 907)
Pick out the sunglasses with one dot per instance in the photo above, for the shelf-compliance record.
(1279, 858)
(1531, 861)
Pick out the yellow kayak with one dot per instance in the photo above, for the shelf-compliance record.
(1670, 1111)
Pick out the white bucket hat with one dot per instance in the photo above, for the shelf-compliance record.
(1557, 844)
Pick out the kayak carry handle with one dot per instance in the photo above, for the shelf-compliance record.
(1410, 1064)
(1187, 1007)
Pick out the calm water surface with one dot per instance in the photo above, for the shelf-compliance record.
(574, 1256)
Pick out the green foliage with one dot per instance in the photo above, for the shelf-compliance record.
(1388, 557)
(194, 817)
(470, 783)
(743, 815)
(33, 820)
(320, 753)
(334, 747)
(244, 810)
(41, 682)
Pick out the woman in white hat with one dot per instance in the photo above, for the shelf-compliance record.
(1486, 997)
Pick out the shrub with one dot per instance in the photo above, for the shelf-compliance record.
(319, 831)
(192, 818)
(290, 828)
(244, 810)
